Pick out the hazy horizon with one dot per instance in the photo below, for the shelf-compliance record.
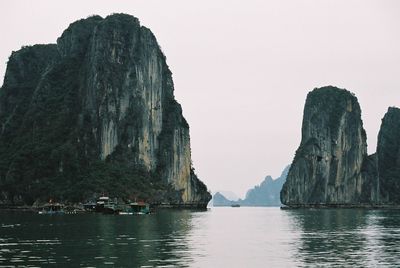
(242, 70)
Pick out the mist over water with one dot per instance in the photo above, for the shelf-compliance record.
(219, 237)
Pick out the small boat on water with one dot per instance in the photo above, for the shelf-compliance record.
(140, 207)
(108, 205)
(136, 208)
(52, 208)
(235, 205)
(89, 206)
(101, 202)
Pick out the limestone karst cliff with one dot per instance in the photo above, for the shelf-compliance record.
(327, 167)
(331, 166)
(95, 113)
(388, 157)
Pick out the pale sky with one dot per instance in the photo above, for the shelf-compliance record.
(242, 69)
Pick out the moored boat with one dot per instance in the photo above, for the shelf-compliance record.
(89, 206)
(52, 208)
(100, 203)
(135, 208)
(109, 205)
(140, 207)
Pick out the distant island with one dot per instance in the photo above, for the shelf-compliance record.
(331, 167)
(264, 195)
(219, 200)
(95, 114)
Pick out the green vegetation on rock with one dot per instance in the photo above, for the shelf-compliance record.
(388, 152)
(94, 114)
(331, 166)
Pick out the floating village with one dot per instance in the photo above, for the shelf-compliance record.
(103, 204)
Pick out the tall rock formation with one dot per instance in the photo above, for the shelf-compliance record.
(331, 166)
(388, 155)
(327, 168)
(95, 113)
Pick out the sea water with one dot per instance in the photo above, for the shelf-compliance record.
(219, 237)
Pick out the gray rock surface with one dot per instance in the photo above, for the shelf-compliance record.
(388, 154)
(327, 167)
(110, 79)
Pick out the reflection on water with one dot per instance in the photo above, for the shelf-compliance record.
(93, 240)
(348, 237)
(230, 237)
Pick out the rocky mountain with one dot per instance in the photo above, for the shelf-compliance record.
(388, 157)
(95, 113)
(264, 195)
(331, 166)
(219, 200)
(267, 193)
(327, 165)
(229, 195)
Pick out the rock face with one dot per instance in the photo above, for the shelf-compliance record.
(331, 166)
(327, 167)
(102, 94)
(388, 154)
(267, 193)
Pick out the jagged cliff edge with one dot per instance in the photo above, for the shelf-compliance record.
(103, 93)
(331, 166)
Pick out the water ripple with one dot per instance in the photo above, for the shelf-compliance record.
(248, 237)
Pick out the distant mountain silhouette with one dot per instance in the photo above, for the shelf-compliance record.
(264, 195)
(267, 193)
(220, 200)
(229, 195)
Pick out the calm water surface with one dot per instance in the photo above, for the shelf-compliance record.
(219, 237)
